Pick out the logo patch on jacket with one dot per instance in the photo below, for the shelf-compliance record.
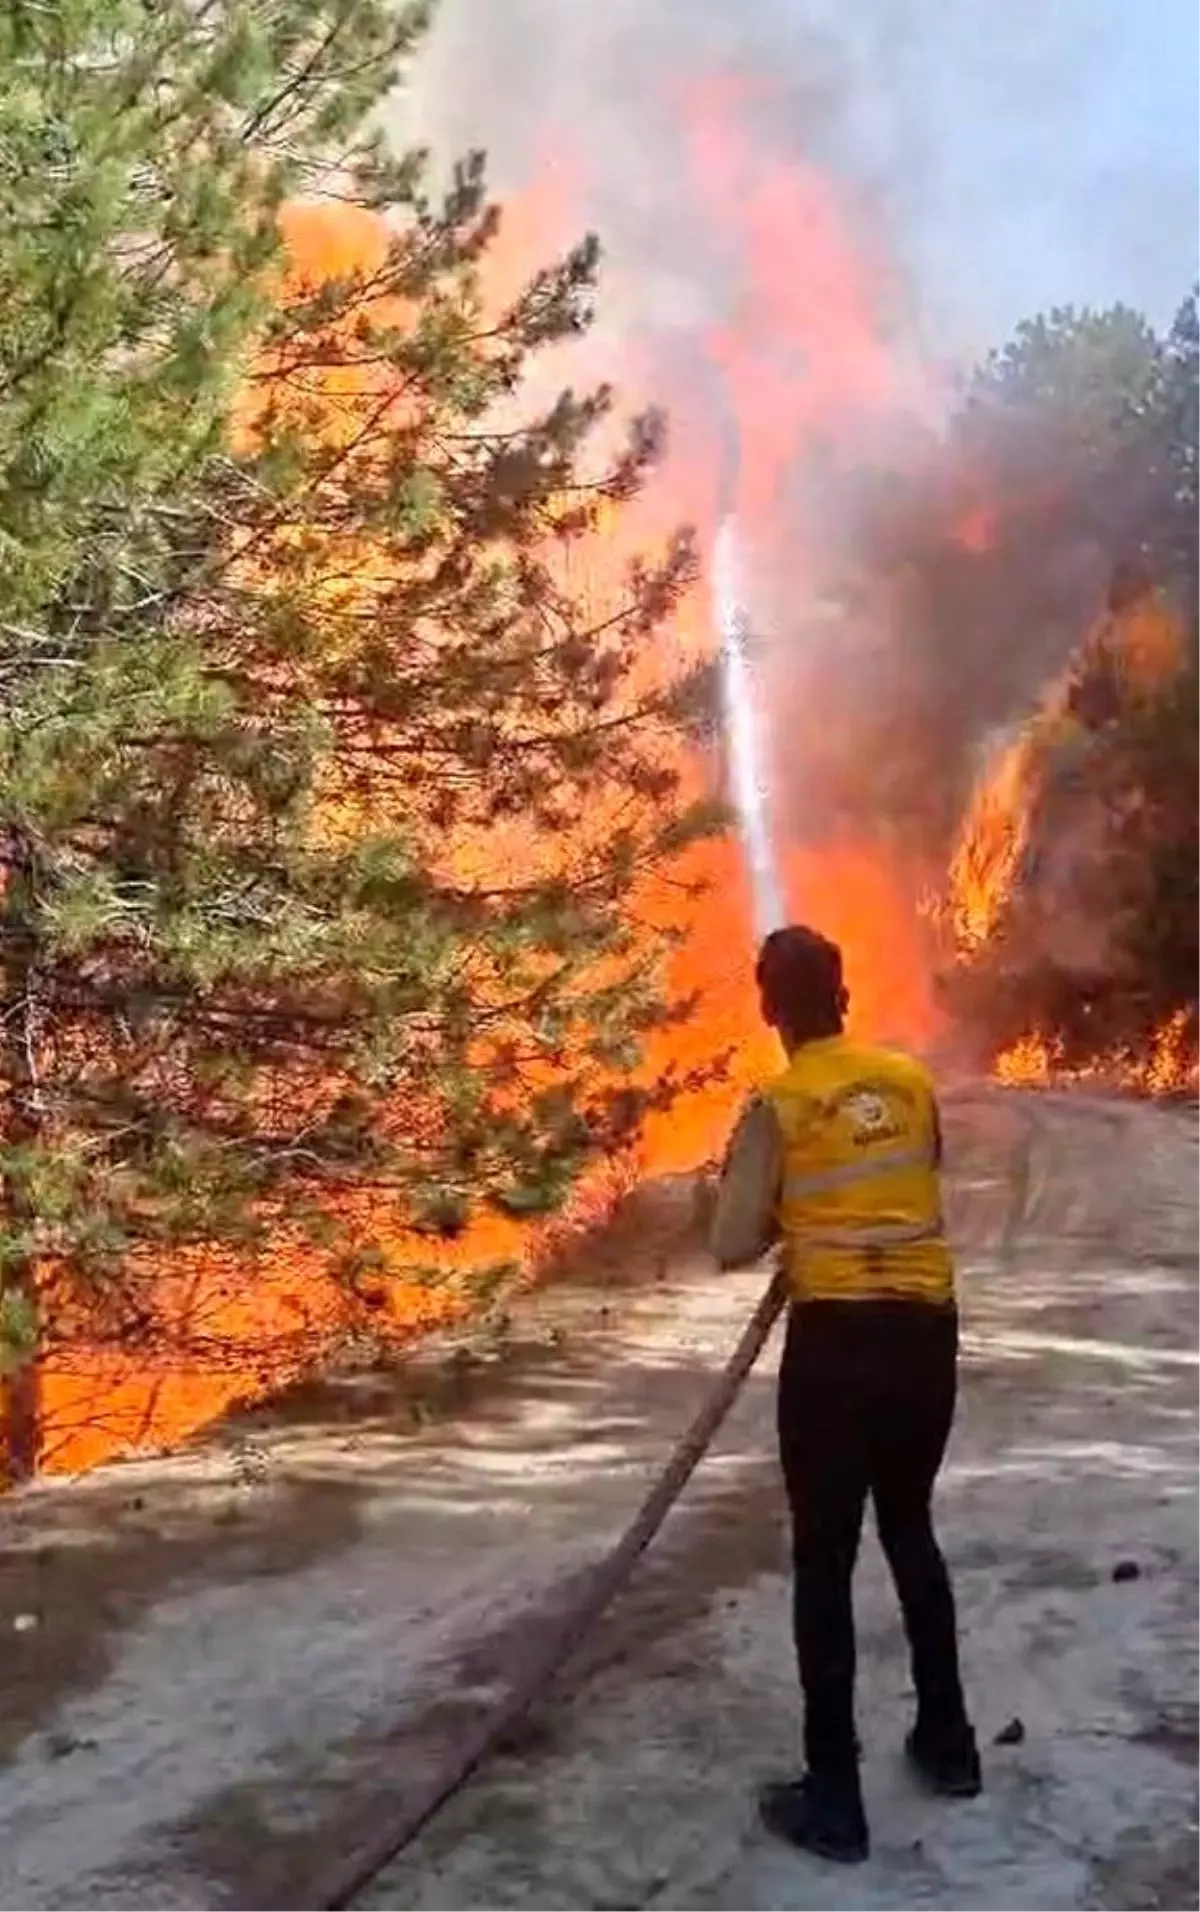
(872, 1117)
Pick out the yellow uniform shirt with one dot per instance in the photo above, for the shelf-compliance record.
(839, 1159)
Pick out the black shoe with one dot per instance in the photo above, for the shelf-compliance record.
(820, 1814)
(947, 1764)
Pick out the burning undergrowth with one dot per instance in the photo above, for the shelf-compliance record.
(206, 1332)
(875, 538)
(1069, 914)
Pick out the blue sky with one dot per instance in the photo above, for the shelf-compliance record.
(1018, 156)
(1064, 163)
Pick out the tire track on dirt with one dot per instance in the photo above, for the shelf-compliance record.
(629, 1784)
(1060, 1201)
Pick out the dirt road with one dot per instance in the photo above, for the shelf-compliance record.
(223, 1664)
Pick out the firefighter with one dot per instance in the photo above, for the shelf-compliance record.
(838, 1161)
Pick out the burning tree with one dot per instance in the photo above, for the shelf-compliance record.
(323, 800)
(1049, 775)
(1078, 852)
(1063, 859)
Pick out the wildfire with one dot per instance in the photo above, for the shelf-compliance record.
(1168, 1066)
(802, 356)
(1134, 647)
(1031, 890)
(991, 843)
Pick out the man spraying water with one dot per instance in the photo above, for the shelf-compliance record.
(838, 1161)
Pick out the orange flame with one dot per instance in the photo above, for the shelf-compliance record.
(974, 530)
(991, 842)
(1128, 653)
(1136, 649)
(1168, 1066)
(804, 355)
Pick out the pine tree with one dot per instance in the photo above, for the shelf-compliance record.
(323, 801)
(1170, 420)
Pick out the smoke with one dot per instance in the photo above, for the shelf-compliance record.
(1017, 156)
(845, 206)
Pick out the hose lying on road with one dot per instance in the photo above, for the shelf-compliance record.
(347, 1879)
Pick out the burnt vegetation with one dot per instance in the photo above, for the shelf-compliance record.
(323, 798)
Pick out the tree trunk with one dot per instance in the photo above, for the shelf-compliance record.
(22, 1429)
(20, 1415)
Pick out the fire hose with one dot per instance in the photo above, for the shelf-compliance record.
(353, 1873)
(349, 1877)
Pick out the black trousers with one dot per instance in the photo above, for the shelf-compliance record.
(866, 1399)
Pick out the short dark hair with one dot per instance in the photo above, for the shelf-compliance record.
(800, 974)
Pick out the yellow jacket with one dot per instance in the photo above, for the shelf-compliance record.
(840, 1158)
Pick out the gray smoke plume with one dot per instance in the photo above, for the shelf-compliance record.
(1022, 156)
(998, 160)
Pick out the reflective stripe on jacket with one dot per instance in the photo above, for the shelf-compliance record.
(860, 1196)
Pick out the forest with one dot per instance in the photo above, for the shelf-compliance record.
(349, 841)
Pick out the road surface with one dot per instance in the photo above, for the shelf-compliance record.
(220, 1667)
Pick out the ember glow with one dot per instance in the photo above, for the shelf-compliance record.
(803, 358)
(991, 842)
(998, 846)
(1030, 884)
(1167, 1066)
